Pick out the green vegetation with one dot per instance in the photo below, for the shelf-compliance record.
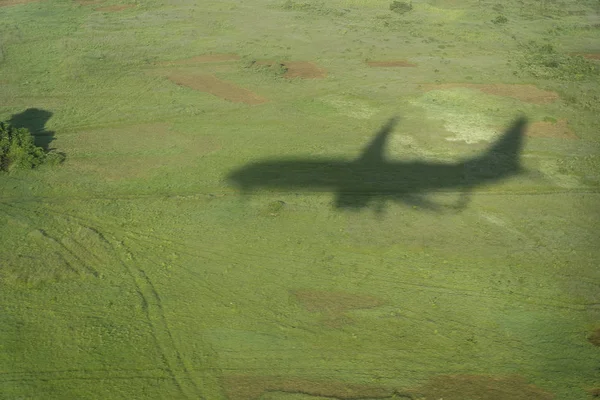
(400, 7)
(500, 19)
(135, 271)
(313, 6)
(18, 151)
(543, 61)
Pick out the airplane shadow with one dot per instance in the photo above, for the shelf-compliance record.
(35, 121)
(371, 180)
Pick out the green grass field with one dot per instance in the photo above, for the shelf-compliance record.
(135, 270)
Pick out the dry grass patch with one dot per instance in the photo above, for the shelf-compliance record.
(206, 58)
(396, 63)
(524, 93)
(120, 140)
(211, 84)
(138, 151)
(545, 129)
(480, 387)
(252, 387)
(113, 170)
(6, 3)
(115, 8)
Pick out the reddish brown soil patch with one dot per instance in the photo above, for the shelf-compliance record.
(589, 56)
(6, 3)
(302, 69)
(252, 387)
(480, 387)
(213, 85)
(594, 338)
(558, 129)
(524, 93)
(592, 56)
(89, 2)
(335, 304)
(297, 69)
(397, 63)
(595, 392)
(206, 58)
(115, 8)
(267, 63)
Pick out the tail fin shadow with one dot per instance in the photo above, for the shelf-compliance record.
(373, 153)
(503, 158)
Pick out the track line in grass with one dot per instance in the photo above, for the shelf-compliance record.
(84, 374)
(251, 258)
(152, 307)
(215, 194)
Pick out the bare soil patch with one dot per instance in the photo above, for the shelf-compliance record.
(89, 2)
(448, 387)
(524, 93)
(252, 387)
(335, 304)
(396, 63)
(303, 69)
(558, 129)
(211, 84)
(481, 387)
(592, 56)
(6, 3)
(115, 8)
(297, 69)
(594, 338)
(589, 56)
(206, 58)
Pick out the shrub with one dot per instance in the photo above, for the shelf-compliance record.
(18, 151)
(400, 7)
(500, 19)
(543, 61)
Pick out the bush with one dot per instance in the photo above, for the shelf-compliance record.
(400, 7)
(313, 6)
(500, 19)
(18, 151)
(543, 61)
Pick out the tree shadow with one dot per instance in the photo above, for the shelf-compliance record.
(35, 121)
(370, 179)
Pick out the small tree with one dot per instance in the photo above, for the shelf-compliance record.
(18, 151)
(401, 7)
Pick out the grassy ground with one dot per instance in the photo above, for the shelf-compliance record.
(134, 270)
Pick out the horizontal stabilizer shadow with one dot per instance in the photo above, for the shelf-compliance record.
(371, 179)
